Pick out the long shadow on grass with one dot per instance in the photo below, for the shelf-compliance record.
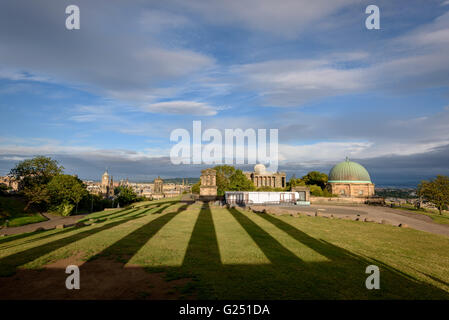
(9, 263)
(16, 237)
(348, 269)
(327, 249)
(128, 246)
(202, 249)
(46, 235)
(341, 276)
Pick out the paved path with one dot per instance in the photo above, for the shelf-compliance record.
(393, 216)
(52, 222)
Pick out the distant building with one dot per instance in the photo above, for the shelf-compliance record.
(208, 187)
(263, 178)
(158, 188)
(303, 194)
(350, 179)
(107, 185)
(10, 182)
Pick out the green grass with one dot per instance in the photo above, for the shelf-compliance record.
(234, 254)
(432, 213)
(14, 207)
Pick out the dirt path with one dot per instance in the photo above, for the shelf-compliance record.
(51, 223)
(100, 279)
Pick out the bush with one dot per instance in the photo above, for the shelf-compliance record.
(64, 209)
(196, 188)
(316, 190)
(3, 189)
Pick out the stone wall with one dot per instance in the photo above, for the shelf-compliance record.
(345, 200)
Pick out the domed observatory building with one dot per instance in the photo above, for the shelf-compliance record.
(350, 179)
(263, 178)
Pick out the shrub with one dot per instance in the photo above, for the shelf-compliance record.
(64, 209)
(316, 190)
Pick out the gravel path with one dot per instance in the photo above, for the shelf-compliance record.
(51, 223)
(393, 216)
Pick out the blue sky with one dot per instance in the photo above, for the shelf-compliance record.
(109, 94)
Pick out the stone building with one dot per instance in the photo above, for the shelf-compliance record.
(208, 187)
(350, 179)
(158, 185)
(10, 182)
(303, 192)
(261, 177)
(158, 188)
(107, 185)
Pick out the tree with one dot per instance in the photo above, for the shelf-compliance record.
(435, 191)
(239, 182)
(37, 196)
(196, 188)
(224, 173)
(316, 190)
(315, 178)
(37, 171)
(66, 190)
(228, 178)
(126, 195)
(292, 183)
(33, 176)
(3, 188)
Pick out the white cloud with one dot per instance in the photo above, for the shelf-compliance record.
(293, 82)
(107, 62)
(417, 60)
(287, 18)
(155, 21)
(182, 107)
(321, 151)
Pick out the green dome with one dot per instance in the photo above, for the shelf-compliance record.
(349, 171)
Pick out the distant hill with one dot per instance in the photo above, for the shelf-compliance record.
(179, 180)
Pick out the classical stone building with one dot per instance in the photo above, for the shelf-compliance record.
(107, 185)
(261, 177)
(350, 179)
(208, 187)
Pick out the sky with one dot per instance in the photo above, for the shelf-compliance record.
(109, 94)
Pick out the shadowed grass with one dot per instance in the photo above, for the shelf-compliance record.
(231, 254)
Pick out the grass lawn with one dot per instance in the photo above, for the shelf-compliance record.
(233, 254)
(432, 213)
(14, 206)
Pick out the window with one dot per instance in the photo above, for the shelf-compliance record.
(342, 192)
(360, 192)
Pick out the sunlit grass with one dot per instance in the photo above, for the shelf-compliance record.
(434, 214)
(236, 254)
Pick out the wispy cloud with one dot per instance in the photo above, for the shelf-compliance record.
(182, 108)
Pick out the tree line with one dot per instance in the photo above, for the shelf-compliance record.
(42, 182)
